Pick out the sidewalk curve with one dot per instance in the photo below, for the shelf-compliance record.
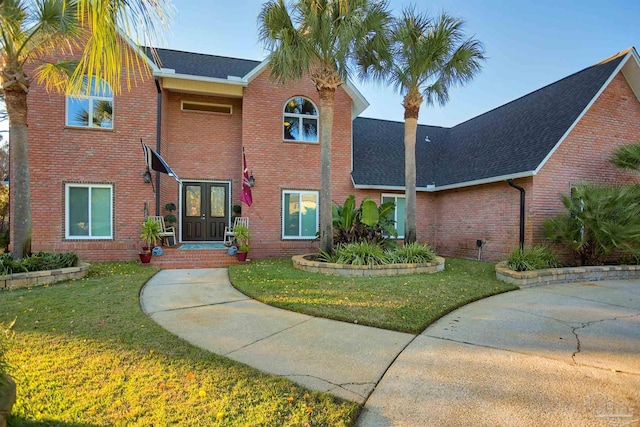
(201, 306)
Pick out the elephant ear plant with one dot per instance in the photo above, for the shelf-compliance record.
(7, 385)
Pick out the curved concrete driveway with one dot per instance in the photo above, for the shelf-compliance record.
(552, 355)
(557, 355)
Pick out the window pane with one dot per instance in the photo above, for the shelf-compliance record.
(310, 129)
(401, 211)
(193, 198)
(77, 112)
(78, 211)
(217, 201)
(291, 125)
(309, 207)
(100, 212)
(102, 114)
(291, 215)
(300, 106)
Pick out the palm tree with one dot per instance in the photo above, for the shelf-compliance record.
(627, 156)
(30, 30)
(322, 38)
(429, 56)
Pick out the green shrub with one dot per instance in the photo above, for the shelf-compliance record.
(600, 220)
(370, 253)
(38, 261)
(535, 258)
(361, 253)
(412, 253)
(368, 223)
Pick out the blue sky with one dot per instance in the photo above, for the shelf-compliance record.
(529, 44)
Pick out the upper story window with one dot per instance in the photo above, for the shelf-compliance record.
(93, 110)
(300, 120)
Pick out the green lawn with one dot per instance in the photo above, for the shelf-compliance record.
(401, 303)
(86, 355)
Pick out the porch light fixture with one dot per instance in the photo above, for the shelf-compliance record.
(146, 177)
(252, 180)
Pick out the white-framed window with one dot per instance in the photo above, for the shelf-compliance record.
(299, 214)
(88, 211)
(300, 120)
(399, 214)
(92, 110)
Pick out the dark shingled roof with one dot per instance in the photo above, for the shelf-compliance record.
(514, 138)
(199, 64)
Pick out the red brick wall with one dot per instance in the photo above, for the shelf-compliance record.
(488, 212)
(60, 154)
(279, 165)
(583, 157)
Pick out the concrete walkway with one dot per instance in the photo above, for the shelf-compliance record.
(561, 355)
(202, 307)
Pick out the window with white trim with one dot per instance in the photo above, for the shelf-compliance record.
(300, 120)
(299, 214)
(399, 213)
(88, 211)
(93, 110)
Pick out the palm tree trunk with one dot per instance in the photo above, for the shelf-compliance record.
(326, 122)
(410, 129)
(16, 102)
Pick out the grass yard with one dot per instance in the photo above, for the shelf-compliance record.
(86, 355)
(401, 303)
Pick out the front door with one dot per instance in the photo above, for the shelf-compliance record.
(205, 211)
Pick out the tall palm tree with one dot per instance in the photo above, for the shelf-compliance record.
(29, 31)
(429, 56)
(322, 38)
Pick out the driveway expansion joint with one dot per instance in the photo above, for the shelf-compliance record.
(168, 310)
(267, 337)
(342, 386)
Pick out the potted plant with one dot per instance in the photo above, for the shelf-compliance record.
(242, 239)
(7, 385)
(150, 233)
(170, 219)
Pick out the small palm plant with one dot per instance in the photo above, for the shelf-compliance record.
(150, 231)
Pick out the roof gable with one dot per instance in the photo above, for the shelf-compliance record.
(510, 141)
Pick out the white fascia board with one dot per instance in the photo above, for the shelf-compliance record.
(430, 189)
(201, 78)
(589, 105)
(359, 101)
(251, 75)
(154, 67)
(631, 72)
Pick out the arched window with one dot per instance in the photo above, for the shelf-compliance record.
(94, 109)
(300, 120)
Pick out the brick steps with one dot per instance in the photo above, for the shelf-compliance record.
(193, 258)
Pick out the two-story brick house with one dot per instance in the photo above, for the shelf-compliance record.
(199, 112)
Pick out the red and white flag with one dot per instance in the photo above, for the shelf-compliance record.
(246, 188)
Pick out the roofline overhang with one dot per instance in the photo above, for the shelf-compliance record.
(434, 189)
(359, 101)
(233, 81)
(629, 53)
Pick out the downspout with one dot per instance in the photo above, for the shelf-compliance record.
(158, 139)
(522, 195)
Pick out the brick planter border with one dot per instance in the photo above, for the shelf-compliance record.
(549, 276)
(38, 278)
(301, 263)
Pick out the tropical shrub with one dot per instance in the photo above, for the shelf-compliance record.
(368, 223)
(600, 221)
(38, 261)
(412, 253)
(369, 253)
(534, 258)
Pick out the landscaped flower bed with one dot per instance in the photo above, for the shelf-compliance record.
(307, 263)
(565, 274)
(35, 278)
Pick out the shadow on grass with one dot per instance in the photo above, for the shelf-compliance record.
(16, 421)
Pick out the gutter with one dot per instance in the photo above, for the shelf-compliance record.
(522, 197)
(158, 141)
